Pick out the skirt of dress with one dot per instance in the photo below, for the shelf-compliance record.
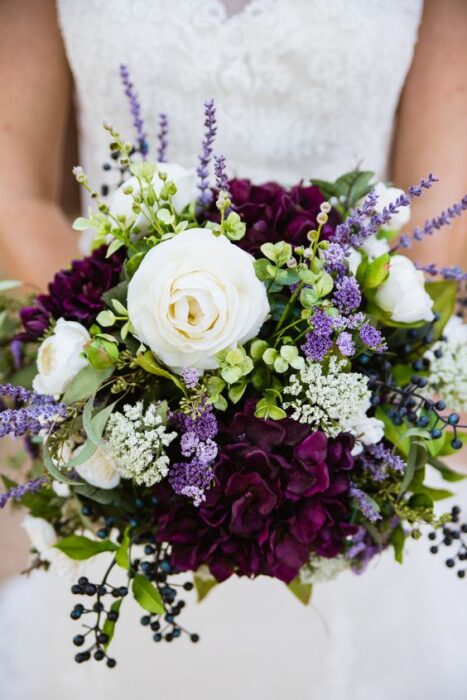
(394, 632)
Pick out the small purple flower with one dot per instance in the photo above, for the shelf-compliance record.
(190, 376)
(372, 338)
(447, 273)
(378, 460)
(346, 344)
(222, 181)
(318, 343)
(162, 138)
(188, 443)
(435, 224)
(191, 479)
(40, 412)
(347, 296)
(206, 452)
(364, 503)
(334, 257)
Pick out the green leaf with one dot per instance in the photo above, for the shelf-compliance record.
(147, 595)
(94, 426)
(324, 284)
(86, 383)
(376, 272)
(109, 625)
(148, 362)
(416, 460)
(447, 473)
(444, 297)
(302, 591)
(80, 548)
(236, 391)
(133, 263)
(397, 539)
(114, 246)
(103, 496)
(122, 554)
(81, 224)
(308, 297)
(55, 471)
(106, 318)
(261, 269)
(203, 586)
(119, 308)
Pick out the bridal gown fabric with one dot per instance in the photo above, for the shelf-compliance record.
(303, 88)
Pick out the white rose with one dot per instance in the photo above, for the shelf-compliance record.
(374, 247)
(403, 293)
(58, 358)
(193, 296)
(99, 470)
(367, 431)
(388, 195)
(43, 538)
(121, 204)
(354, 259)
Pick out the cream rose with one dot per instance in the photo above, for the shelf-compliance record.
(58, 358)
(403, 294)
(388, 195)
(99, 470)
(193, 296)
(43, 538)
(121, 204)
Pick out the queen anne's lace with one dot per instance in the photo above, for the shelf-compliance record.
(302, 88)
(137, 440)
(327, 400)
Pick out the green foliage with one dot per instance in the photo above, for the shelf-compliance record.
(80, 548)
(122, 556)
(234, 364)
(397, 539)
(203, 586)
(443, 294)
(302, 591)
(147, 595)
(351, 186)
(148, 362)
(109, 625)
(375, 273)
(267, 406)
(86, 383)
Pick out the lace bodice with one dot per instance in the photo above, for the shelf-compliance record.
(303, 88)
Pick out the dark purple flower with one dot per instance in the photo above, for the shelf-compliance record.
(279, 492)
(74, 294)
(274, 213)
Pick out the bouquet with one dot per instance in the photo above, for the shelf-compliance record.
(238, 380)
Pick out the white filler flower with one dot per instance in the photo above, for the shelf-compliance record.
(403, 293)
(448, 367)
(327, 401)
(59, 357)
(193, 296)
(137, 440)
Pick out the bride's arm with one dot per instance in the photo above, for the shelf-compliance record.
(432, 133)
(35, 238)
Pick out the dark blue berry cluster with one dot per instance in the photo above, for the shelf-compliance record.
(454, 536)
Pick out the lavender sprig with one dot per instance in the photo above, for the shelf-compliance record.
(39, 414)
(162, 138)
(366, 222)
(135, 108)
(205, 157)
(435, 224)
(222, 181)
(447, 273)
(16, 493)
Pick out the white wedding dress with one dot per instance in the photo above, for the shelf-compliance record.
(303, 87)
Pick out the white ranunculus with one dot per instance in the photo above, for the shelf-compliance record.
(388, 195)
(99, 470)
(374, 247)
(367, 431)
(193, 296)
(121, 204)
(403, 293)
(58, 358)
(43, 538)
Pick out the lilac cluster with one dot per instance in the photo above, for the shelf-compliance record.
(447, 273)
(378, 460)
(135, 108)
(351, 322)
(435, 224)
(346, 344)
(364, 503)
(347, 296)
(162, 138)
(372, 338)
(190, 376)
(192, 478)
(40, 414)
(205, 157)
(362, 550)
(366, 222)
(334, 259)
(17, 492)
(319, 342)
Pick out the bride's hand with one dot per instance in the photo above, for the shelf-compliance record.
(35, 237)
(431, 133)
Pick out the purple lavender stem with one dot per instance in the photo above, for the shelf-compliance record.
(16, 493)
(162, 138)
(135, 108)
(205, 157)
(448, 273)
(435, 224)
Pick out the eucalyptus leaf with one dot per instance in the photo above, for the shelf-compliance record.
(86, 383)
(6, 285)
(55, 471)
(148, 362)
